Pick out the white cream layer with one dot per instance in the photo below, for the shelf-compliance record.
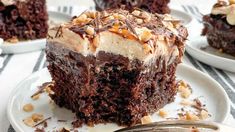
(229, 11)
(114, 43)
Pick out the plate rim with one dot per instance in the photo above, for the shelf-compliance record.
(22, 43)
(190, 49)
(17, 127)
(201, 51)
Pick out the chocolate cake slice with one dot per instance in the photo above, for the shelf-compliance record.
(219, 27)
(115, 65)
(154, 6)
(23, 20)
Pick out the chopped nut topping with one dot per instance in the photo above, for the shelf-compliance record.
(146, 16)
(119, 16)
(146, 120)
(231, 2)
(64, 130)
(90, 30)
(118, 21)
(184, 89)
(80, 19)
(147, 48)
(48, 90)
(105, 14)
(13, 40)
(185, 102)
(28, 108)
(185, 93)
(191, 117)
(220, 50)
(146, 35)
(136, 13)
(183, 83)
(109, 18)
(139, 21)
(37, 117)
(204, 114)
(35, 97)
(162, 113)
(29, 122)
(90, 14)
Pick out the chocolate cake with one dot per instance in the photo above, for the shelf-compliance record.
(115, 65)
(154, 6)
(23, 19)
(219, 27)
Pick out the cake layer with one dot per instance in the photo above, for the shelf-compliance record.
(108, 87)
(23, 19)
(154, 6)
(115, 66)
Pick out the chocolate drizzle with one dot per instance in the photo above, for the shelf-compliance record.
(155, 6)
(59, 32)
(129, 26)
(123, 19)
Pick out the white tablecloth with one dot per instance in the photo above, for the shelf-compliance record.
(17, 67)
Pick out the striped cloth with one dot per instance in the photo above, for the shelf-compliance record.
(18, 66)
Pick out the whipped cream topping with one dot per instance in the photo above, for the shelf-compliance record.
(223, 8)
(137, 35)
(114, 43)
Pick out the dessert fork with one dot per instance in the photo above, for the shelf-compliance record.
(179, 126)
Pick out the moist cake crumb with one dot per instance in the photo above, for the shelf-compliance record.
(28, 108)
(162, 113)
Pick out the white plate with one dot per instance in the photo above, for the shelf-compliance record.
(184, 17)
(216, 102)
(199, 49)
(33, 45)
